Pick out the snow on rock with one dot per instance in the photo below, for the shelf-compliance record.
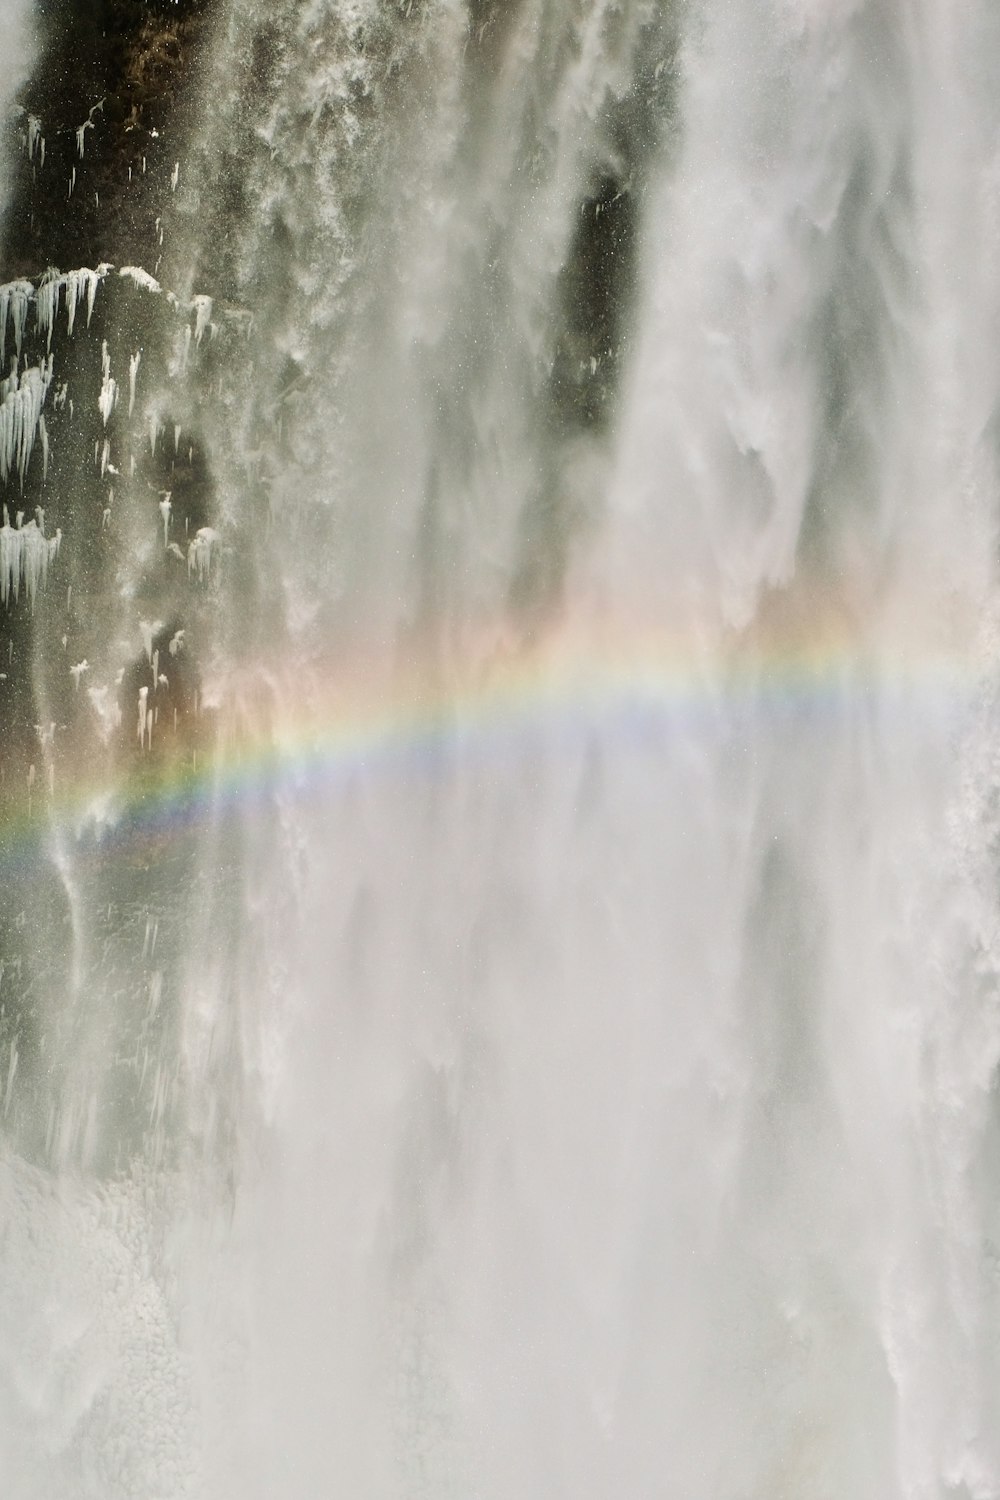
(140, 278)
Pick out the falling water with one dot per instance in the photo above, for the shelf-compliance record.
(503, 959)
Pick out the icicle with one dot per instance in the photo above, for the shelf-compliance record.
(133, 370)
(14, 299)
(109, 387)
(156, 669)
(202, 551)
(73, 292)
(177, 438)
(80, 284)
(155, 428)
(92, 278)
(41, 152)
(81, 133)
(43, 433)
(165, 513)
(47, 303)
(25, 555)
(105, 457)
(203, 312)
(20, 414)
(77, 672)
(72, 183)
(148, 631)
(141, 730)
(176, 643)
(175, 176)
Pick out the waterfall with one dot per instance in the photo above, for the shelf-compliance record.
(500, 959)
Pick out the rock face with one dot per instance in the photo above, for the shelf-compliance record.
(118, 70)
(99, 458)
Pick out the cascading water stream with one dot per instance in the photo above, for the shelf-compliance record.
(524, 1018)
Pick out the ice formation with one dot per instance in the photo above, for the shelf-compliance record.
(133, 370)
(14, 299)
(107, 709)
(144, 726)
(47, 303)
(25, 554)
(34, 135)
(202, 551)
(79, 284)
(148, 631)
(108, 398)
(20, 414)
(16, 296)
(202, 306)
(140, 278)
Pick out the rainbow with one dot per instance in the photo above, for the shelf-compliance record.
(269, 731)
